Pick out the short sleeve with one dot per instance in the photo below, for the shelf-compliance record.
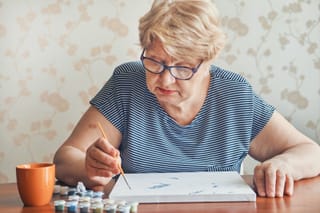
(115, 99)
(108, 102)
(262, 112)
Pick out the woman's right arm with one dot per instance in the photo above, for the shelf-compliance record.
(86, 156)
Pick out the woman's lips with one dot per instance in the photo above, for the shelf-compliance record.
(165, 91)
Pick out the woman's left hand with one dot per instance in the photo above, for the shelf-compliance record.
(273, 178)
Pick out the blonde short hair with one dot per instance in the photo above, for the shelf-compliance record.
(188, 29)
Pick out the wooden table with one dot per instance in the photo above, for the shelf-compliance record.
(306, 199)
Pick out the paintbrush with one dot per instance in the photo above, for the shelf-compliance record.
(121, 170)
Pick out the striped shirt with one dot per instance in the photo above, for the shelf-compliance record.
(218, 138)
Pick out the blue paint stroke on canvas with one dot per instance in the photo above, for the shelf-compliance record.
(174, 178)
(214, 185)
(195, 192)
(158, 186)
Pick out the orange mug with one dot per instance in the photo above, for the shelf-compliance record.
(35, 182)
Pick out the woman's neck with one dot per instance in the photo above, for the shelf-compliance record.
(186, 111)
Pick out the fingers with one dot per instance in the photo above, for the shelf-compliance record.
(289, 188)
(106, 147)
(102, 159)
(279, 184)
(272, 182)
(259, 181)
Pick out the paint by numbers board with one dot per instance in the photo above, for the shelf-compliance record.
(183, 187)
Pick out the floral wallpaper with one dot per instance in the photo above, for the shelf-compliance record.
(56, 54)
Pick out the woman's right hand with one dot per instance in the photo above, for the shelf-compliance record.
(102, 162)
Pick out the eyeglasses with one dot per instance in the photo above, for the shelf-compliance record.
(157, 67)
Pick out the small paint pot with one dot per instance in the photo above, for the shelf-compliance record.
(96, 200)
(110, 208)
(123, 208)
(59, 205)
(72, 191)
(81, 194)
(97, 207)
(84, 207)
(64, 190)
(72, 206)
(56, 189)
(121, 202)
(108, 201)
(85, 199)
(134, 207)
(88, 193)
(74, 197)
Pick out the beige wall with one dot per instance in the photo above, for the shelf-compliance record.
(55, 55)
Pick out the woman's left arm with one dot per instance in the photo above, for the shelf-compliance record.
(285, 154)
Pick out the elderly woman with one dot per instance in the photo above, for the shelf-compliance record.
(174, 111)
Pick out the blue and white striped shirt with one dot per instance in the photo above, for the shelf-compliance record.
(218, 138)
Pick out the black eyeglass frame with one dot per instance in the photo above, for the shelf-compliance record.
(166, 67)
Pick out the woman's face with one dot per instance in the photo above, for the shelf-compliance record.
(169, 90)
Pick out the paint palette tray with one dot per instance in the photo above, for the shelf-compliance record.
(183, 187)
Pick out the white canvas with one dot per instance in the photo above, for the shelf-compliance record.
(183, 187)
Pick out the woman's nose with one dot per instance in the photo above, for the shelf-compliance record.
(166, 77)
